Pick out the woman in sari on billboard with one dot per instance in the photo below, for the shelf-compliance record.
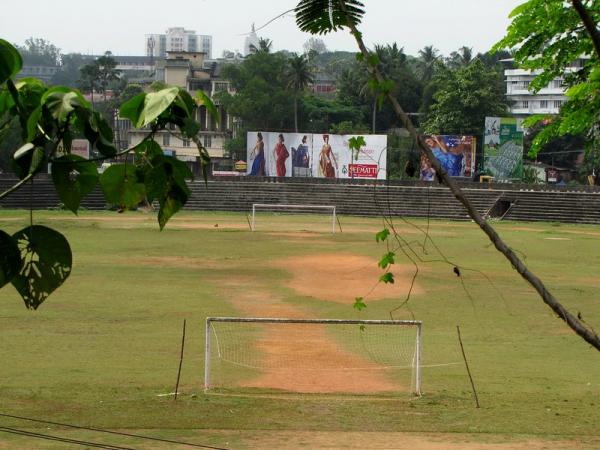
(326, 167)
(258, 153)
(280, 153)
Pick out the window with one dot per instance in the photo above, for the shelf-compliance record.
(186, 142)
(207, 141)
(557, 83)
(558, 103)
(166, 139)
(525, 104)
(543, 103)
(526, 84)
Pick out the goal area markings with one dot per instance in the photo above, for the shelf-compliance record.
(391, 360)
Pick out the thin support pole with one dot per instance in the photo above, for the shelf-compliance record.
(180, 360)
(207, 356)
(462, 348)
(333, 221)
(253, 216)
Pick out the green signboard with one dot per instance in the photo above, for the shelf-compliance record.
(503, 148)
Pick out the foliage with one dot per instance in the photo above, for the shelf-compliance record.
(262, 99)
(50, 116)
(298, 76)
(549, 36)
(324, 16)
(39, 52)
(69, 73)
(464, 98)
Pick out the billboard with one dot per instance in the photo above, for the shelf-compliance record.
(275, 154)
(503, 147)
(456, 154)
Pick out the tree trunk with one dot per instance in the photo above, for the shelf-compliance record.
(296, 113)
(585, 332)
(374, 114)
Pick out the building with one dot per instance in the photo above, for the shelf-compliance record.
(191, 71)
(251, 42)
(177, 39)
(546, 101)
(41, 72)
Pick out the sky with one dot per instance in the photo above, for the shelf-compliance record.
(86, 26)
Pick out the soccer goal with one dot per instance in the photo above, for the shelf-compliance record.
(293, 209)
(313, 356)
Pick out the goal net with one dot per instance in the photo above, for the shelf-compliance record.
(313, 356)
(324, 215)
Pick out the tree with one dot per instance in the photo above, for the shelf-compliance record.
(428, 57)
(264, 46)
(298, 77)
(40, 52)
(464, 98)
(107, 71)
(323, 16)
(314, 45)
(548, 36)
(37, 260)
(262, 99)
(69, 73)
(88, 80)
(460, 58)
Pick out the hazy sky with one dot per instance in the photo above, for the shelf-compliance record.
(87, 26)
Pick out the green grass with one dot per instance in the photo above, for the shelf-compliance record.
(104, 346)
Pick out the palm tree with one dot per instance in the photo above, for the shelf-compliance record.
(298, 77)
(264, 46)
(428, 58)
(107, 71)
(88, 78)
(461, 58)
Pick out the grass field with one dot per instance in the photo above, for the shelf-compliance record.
(104, 348)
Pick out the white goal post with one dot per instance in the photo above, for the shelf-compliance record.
(316, 349)
(295, 208)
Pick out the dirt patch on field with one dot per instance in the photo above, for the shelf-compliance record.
(304, 343)
(209, 226)
(342, 278)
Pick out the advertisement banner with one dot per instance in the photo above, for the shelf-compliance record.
(275, 154)
(503, 147)
(456, 154)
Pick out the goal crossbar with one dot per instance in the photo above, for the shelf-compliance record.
(416, 323)
(293, 206)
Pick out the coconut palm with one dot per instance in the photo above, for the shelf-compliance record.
(298, 77)
(428, 58)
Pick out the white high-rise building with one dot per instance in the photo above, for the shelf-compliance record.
(178, 39)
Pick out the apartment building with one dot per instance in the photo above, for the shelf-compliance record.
(546, 101)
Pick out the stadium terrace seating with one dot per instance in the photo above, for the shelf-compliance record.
(411, 199)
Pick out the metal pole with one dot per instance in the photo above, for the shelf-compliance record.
(253, 214)
(207, 356)
(418, 358)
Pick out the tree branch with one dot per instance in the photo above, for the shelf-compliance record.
(572, 321)
(16, 186)
(590, 26)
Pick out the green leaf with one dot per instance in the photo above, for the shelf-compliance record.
(355, 143)
(74, 177)
(203, 99)
(23, 151)
(166, 182)
(132, 109)
(10, 258)
(382, 235)
(190, 127)
(387, 278)
(10, 61)
(387, 259)
(155, 104)
(121, 186)
(32, 123)
(324, 16)
(185, 102)
(28, 160)
(359, 304)
(146, 151)
(47, 262)
(61, 101)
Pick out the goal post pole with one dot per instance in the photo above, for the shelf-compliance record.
(253, 215)
(207, 355)
(333, 222)
(418, 350)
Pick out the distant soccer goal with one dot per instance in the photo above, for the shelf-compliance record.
(327, 210)
(313, 356)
